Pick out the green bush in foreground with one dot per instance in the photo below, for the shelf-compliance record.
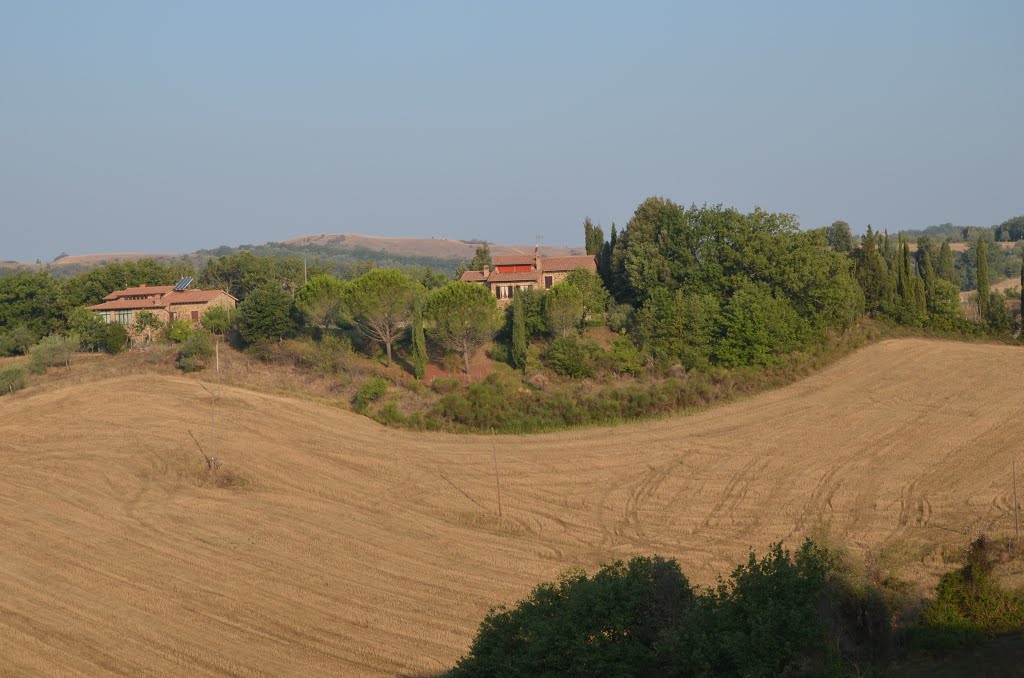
(12, 378)
(645, 619)
(196, 351)
(54, 350)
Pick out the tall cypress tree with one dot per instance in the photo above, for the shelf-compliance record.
(983, 290)
(872, 272)
(419, 344)
(928, 276)
(518, 353)
(947, 271)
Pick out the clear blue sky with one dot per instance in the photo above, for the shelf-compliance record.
(169, 126)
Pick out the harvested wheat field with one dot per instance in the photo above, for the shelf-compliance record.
(353, 549)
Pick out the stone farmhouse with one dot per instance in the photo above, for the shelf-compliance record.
(513, 272)
(166, 302)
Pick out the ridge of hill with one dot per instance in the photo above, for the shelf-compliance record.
(355, 549)
(442, 249)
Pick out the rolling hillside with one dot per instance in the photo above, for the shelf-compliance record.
(353, 549)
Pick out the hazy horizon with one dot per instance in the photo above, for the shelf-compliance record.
(170, 128)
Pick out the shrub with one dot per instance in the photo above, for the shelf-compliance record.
(619, 317)
(970, 604)
(196, 351)
(52, 351)
(113, 338)
(16, 341)
(12, 378)
(177, 330)
(371, 390)
(570, 358)
(622, 358)
(644, 619)
(444, 385)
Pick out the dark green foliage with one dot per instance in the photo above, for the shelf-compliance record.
(381, 303)
(372, 390)
(218, 319)
(91, 286)
(419, 343)
(113, 338)
(758, 328)
(241, 272)
(872, 273)
(29, 300)
(623, 357)
(999, 320)
(12, 378)
(319, 300)
(840, 237)
(564, 309)
(570, 358)
(644, 619)
(53, 351)
(677, 329)
(196, 351)
(267, 314)
(969, 603)
(18, 340)
(519, 343)
(946, 269)
(465, 317)
(593, 237)
(595, 296)
(982, 280)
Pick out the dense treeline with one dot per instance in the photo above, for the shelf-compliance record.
(688, 306)
(808, 613)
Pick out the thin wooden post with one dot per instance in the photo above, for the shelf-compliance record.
(1016, 507)
(497, 478)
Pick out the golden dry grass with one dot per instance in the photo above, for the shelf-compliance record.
(351, 549)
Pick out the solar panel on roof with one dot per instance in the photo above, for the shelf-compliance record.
(182, 284)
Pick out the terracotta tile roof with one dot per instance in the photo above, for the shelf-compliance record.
(167, 299)
(568, 263)
(193, 296)
(123, 304)
(514, 276)
(472, 276)
(513, 259)
(137, 291)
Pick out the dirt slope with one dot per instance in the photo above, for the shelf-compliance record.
(359, 550)
(442, 248)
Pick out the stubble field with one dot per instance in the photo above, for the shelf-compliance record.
(346, 548)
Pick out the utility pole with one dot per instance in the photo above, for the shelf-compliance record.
(304, 278)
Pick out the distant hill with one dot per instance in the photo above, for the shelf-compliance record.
(437, 248)
(439, 253)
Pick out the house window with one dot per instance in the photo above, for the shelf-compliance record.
(105, 315)
(505, 292)
(549, 280)
(195, 316)
(124, 317)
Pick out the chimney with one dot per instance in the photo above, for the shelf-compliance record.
(536, 257)
(487, 270)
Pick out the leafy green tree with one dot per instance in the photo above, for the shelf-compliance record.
(218, 319)
(30, 300)
(196, 351)
(840, 237)
(419, 342)
(946, 269)
(999, 321)
(518, 351)
(146, 323)
(381, 303)
(53, 350)
(18, 340)
(320, 300)
(564, 308)
(464, 316)
(114, 338)
(758, 328)
(982, 280)
(267, 314)
(595, 296)
(675, 328)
